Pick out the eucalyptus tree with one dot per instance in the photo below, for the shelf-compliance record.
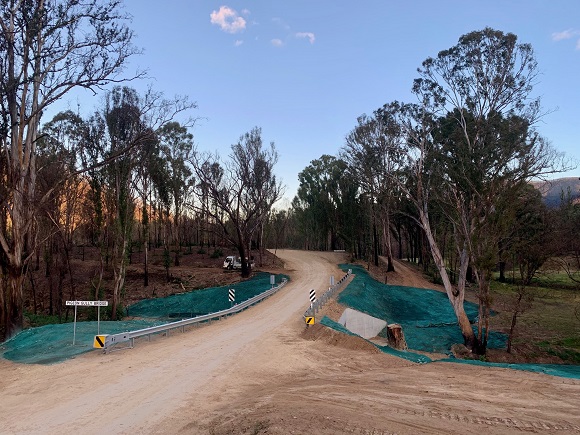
(147, 171)
(47, 49)
(314, 203)
(326, 203)
(176, 148)
(375, 152)
(244, 189)
(481, 149)
(364, 163)
(126, 131)
(61, 213)
(93, 150)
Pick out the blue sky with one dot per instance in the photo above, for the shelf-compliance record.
(304, 70)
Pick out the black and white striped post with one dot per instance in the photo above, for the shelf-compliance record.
(232, 296)
(312, 297)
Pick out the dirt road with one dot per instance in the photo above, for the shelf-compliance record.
(253, 373)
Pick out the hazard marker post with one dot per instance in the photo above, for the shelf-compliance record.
(99, 342)
(232, 296)
(98, 304)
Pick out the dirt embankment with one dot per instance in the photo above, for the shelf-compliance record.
(253, 373)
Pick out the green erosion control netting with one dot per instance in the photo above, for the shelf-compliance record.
(53, 343)
(199, 302)
(427, 319)
(426, 316)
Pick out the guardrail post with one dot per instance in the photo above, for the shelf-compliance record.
(317, 304)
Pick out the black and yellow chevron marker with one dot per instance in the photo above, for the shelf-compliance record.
(99, 342)
(309, 320)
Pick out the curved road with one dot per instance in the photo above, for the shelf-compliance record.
(132, 390)
(253, 373)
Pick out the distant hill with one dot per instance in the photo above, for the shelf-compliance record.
(551, 190)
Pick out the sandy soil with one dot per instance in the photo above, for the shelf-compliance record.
(259, 372)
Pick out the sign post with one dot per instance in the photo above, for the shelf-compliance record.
(98, 304)
(232, 296)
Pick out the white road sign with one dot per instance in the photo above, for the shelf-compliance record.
(88, 303)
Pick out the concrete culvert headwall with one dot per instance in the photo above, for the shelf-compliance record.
(361, 324)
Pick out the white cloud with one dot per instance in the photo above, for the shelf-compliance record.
(228, 19)
(311, 37)
(277, 42)
(566, 34)
(245, 12)
(238, 42)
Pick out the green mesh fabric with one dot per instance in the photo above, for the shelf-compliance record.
(428, 322)
(426, 316)
(199, 302)
(53, 343)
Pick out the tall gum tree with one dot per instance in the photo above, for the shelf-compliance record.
(416, 179)
(244, 189)
(485, 147)
(48, 47)
(176, 146)
(374, 152)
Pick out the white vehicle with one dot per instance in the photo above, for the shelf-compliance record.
(233, 262)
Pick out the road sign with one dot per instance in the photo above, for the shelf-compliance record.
(99, 342)
(312, 296)
(309, 320)
(76, 304)
(88, 303)
(232, 295)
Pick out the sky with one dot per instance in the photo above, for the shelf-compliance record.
(304, 70)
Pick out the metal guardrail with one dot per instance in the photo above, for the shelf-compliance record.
(113, 339)
(317, 305)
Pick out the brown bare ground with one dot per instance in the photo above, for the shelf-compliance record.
(259, 372)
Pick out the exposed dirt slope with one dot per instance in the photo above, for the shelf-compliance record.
(254, 373)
